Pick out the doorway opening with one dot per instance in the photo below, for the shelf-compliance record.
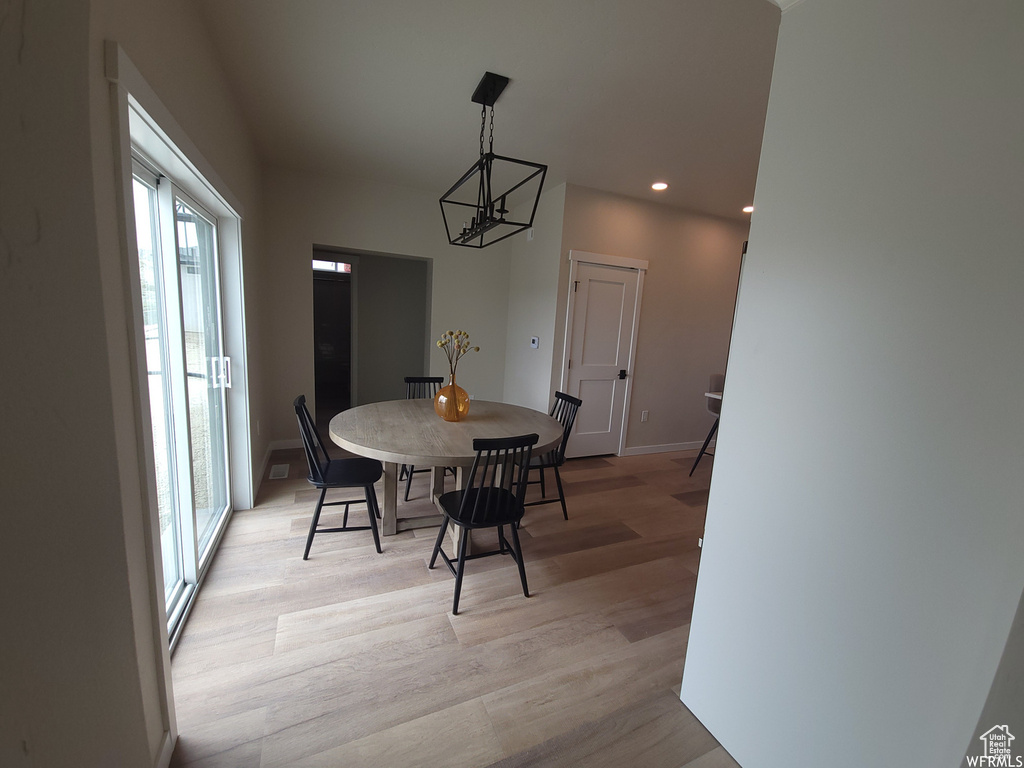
(371, 327)
(332, 338)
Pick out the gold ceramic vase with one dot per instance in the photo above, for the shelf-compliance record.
(451, 402)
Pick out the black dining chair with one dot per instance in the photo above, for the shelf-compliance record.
(716, 383)
(493, 498)
(325, 473)
(564, 411)
(417, 387)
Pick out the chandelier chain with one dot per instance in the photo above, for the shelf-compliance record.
(490, 147)
(483, 122)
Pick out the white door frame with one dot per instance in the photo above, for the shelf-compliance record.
(604, 260)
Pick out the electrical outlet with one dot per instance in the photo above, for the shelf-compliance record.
(644, 415)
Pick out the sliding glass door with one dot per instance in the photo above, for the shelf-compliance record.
(187, 376)
(206, 367)
(159, 383)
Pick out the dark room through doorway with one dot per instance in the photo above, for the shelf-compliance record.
(371, 328)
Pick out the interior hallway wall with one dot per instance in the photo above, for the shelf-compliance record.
(862, 558)
(686, 316)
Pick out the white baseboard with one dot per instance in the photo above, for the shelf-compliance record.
(640, 450)
(275, 445)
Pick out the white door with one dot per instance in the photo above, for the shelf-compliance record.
(603, 308)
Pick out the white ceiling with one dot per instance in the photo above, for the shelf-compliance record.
(610, 94)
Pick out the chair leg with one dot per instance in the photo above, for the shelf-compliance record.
(371, 511)
(344, 519)
(312, 525)
(519, 559)
(543, 490)
(561, 493)
(704, 447)
(460, 571)
(408, 481)
(440, 539)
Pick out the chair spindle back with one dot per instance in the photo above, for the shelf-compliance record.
(317, 457)
(497, 480)
(417, 387)
(564, 412)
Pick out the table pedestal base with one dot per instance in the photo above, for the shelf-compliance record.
(391, 523)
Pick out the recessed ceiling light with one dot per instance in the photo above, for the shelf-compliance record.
(748, 209)
(658, 186)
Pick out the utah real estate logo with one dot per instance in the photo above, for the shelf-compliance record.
(998, 743)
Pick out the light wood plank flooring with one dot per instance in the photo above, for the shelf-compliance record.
(354, 659)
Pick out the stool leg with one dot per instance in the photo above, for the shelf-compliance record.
(704, 447)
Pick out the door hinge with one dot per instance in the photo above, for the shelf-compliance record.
(570, 365)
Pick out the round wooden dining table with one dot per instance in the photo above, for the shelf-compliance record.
(399, 432)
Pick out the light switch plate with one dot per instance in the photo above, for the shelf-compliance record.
(534, 342)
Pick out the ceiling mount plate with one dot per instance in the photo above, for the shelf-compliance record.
(489, 89)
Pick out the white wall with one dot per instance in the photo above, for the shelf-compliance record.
(71, 690)
(686, 316)
(80, 661)
(861, 564)
(532, 300)
(469, 286)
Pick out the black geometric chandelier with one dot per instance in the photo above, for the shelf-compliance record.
(475, 213)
